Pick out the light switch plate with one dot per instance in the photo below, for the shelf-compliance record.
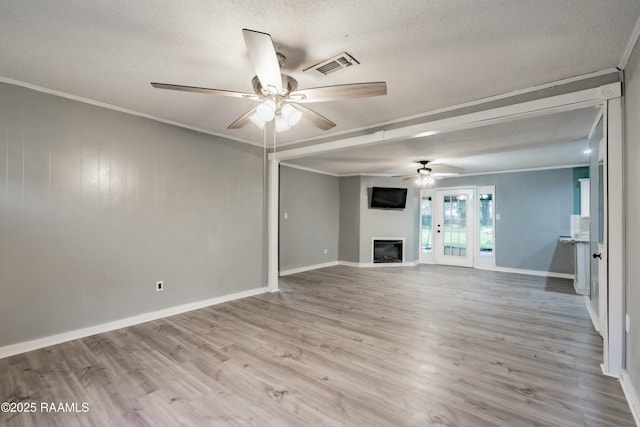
(628, 323)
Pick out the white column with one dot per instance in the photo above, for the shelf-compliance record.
(273, 217)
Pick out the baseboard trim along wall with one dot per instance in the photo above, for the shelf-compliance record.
(530, 272)
(308, 268)
(23, 347)
(378, 264)
(632, 396)
(349, 264)
(414, 263)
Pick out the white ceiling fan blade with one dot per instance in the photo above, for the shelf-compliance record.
(440, 166)
(315, 119)
(338, 92)
(446, 169)
(264, 59)
(205, 90)
(242, 120)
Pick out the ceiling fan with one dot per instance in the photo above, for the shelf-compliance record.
(425, 175)
(279, 95)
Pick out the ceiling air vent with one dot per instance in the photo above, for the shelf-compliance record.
(338, 62)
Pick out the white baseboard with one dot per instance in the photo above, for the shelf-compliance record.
(414, 263)
(633, 398)
(349, 264)
(606, 373)
(23, 347)
(500, 269)
(595, 319)
(307, 268)
(529, 272)
(378, 264)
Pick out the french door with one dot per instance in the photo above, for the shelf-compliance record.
(453, 224)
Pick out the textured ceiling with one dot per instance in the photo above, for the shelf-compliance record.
(432, 54)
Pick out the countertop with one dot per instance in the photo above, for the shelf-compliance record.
(569, 239)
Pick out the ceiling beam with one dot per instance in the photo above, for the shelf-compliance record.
(559, 103)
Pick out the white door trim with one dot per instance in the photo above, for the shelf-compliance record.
(602, 247)
(614, 351)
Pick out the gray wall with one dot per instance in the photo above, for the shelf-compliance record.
(311, 202)
(632, 171)
(96, 205)
(534, 209)
(349, 239)
(387, 222)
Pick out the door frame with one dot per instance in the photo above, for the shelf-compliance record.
(615, 341)
(439, 256)
(602, 247)
(478, 262)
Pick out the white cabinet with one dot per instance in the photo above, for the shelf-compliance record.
(584, 197)
(581, 280)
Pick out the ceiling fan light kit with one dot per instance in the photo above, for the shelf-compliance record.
(425, 180)
(425, 176)
(266, 111)
(291, 114)
(285, 116)
(281, 123)
(278, 92)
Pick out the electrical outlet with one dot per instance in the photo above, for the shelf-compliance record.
(628, 323)
(286, 215)
(159, 286)
(325, 251)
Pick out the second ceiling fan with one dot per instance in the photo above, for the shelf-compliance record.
(278, 93)
(425, 175)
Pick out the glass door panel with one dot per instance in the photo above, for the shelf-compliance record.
(485, 255)
(426, 226)
(454, 227)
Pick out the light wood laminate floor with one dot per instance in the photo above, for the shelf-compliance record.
(414, 346)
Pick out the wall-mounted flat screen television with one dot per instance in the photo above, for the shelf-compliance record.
(388, 198)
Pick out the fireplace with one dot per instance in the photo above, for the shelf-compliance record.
(388, 250)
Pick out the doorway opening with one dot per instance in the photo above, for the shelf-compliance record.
(457, 226)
